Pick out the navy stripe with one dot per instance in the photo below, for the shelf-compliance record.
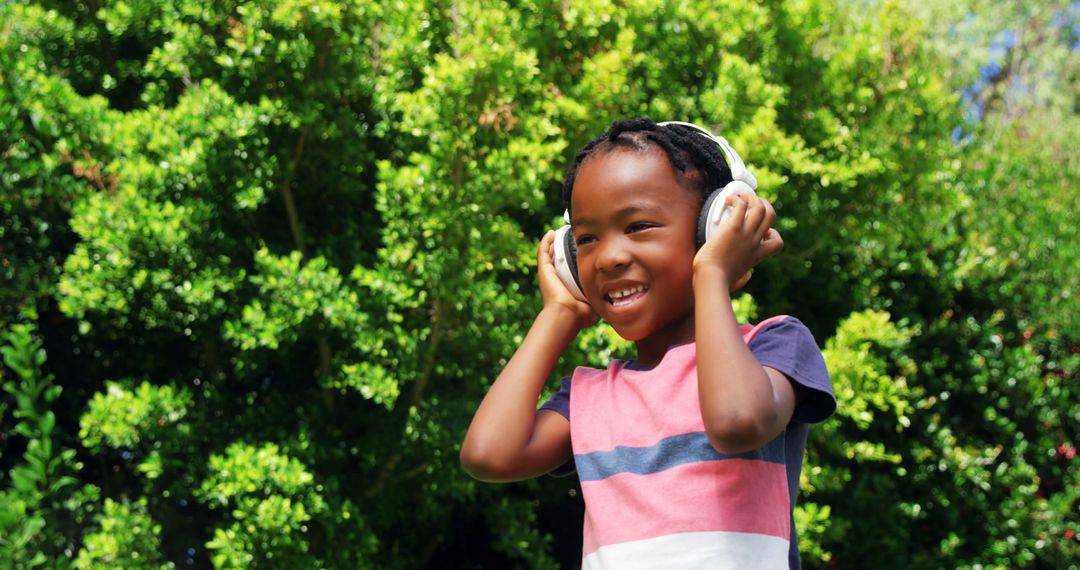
(667, 453)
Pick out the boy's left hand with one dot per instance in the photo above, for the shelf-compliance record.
(745, 238)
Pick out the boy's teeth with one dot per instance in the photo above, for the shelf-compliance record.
(626, 293)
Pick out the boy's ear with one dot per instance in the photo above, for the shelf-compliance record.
(743, 281)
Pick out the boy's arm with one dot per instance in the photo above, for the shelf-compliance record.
(744, 405)
(508, 440)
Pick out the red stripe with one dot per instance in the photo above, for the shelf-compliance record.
(734, 495)
(750, 332)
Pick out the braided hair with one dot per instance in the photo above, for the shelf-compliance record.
(698, 160)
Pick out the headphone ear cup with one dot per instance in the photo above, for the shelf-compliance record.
(715, 210)
(706, 214)
(566, 262)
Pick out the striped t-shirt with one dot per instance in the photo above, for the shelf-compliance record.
(657, 494)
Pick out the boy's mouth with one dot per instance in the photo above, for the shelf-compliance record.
(626, 296)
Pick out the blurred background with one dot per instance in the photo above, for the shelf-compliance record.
(259, 261)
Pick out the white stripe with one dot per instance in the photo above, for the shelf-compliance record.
(705, 550)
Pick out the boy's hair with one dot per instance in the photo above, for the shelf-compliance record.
(699, 161)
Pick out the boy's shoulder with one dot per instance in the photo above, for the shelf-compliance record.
(779, 328)
(771, 324)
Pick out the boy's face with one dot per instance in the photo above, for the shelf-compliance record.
(635, 224)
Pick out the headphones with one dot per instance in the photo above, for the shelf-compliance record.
(713, 211)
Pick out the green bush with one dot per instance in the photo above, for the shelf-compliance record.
(128, 539)
(276, 252)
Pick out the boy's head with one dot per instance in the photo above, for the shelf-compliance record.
(699, 162)
(635, 195)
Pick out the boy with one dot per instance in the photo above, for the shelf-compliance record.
(688, 456)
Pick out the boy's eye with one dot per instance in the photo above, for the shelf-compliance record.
(583, 240)
(637, 227)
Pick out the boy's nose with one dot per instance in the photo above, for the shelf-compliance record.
(613, 255)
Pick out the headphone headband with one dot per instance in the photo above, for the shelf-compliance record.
(735, 162)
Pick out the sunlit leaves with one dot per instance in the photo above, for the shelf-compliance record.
(272, 497)
(128, 537)
(121, 417)
(41, 489)
(863, 378)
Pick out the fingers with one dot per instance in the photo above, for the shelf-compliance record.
(737, 215)
(766, 220)
(742, 280)
(754, 212)
(751, 214)
(753, 217)
(772, 243)
(544, 253)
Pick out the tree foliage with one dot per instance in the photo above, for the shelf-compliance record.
(276, 251)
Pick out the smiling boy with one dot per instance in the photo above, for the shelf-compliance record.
(688, 455)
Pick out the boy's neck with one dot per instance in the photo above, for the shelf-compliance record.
(651, 350)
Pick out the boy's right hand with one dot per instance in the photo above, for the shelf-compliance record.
(743, 240)
(556, 296)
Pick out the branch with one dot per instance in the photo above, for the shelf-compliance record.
(287, 194)
(298, 153)
(416, 397)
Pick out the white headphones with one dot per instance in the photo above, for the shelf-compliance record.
(713, 211)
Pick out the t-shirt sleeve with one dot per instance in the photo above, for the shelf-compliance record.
(560, 401)
(789, 347)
